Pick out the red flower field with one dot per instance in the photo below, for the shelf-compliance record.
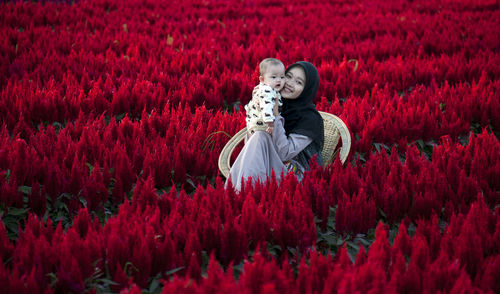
(113, 114)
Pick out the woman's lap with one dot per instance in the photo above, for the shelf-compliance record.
(257, 159)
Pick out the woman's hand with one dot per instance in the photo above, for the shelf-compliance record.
(276, 109)
(270, 127)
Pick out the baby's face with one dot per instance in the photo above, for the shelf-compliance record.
(274, 77)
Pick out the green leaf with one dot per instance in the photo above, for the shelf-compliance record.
(411, 229)
(154, 285)
(189, 181)
(170, 40)
(129, 265)
(57, 125)
(382, 213)
(108, 282)
(24, 189)
(292, 250)
(45, 216)
(14, 211)
(475, 127)
(352, 252)
(120, 116)
(204, 264)
(65, 196)
(221, 23)
(353, 245)
(90, 166)
(237, 270)
(330, 238)
(7, 261)
(83, 201)
(363, 240)
(61, 207)
(274, 250)
(173, 271)
(355, 65)
(210, 141)
(53, 279)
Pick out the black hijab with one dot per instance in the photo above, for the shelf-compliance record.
(301, 116)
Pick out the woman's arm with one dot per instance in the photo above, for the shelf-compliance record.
(288, 147)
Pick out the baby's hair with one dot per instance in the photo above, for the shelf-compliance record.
(266, 62)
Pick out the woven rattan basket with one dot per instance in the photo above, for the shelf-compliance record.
(335, 128)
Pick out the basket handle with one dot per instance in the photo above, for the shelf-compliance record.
(227, 151)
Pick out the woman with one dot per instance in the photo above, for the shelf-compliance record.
(297, 135)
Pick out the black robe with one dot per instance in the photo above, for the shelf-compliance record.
(301, 116)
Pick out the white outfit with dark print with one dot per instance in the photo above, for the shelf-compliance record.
(260, 108)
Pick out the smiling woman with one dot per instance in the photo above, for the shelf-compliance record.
(294, 83)
(297, 135)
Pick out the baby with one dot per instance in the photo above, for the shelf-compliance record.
(265, 95)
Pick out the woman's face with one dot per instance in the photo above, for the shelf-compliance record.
(295, 81)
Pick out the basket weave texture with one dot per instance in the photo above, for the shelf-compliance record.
(335, 129)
